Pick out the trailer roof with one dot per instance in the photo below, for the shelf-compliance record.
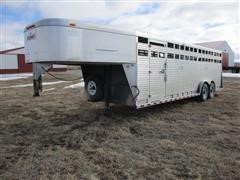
(159, 38)
(83, 25)
(77, 24)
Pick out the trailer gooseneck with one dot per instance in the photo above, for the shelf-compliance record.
(124, 67)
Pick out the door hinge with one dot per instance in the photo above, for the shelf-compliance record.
(149, 72)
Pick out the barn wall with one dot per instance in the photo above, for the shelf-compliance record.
(22, 66)
(225, 60)
(8, 71)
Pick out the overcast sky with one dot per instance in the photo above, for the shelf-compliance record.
(187, 21)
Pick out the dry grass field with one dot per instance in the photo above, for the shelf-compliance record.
(60, 135)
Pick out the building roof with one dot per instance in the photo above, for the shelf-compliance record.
(19, 50)
(218, 45)
(212, 44)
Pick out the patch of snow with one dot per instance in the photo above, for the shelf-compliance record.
(50, 83)
(236, 75)
(7, 77)
(75, 86)
(30, 85)
(50, 89)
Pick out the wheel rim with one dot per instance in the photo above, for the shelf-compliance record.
(212, 90)
(204, 93)
(92, 88)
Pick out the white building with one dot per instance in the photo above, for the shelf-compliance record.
(13, 61)
(221, 46)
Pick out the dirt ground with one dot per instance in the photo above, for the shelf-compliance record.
(62, 136)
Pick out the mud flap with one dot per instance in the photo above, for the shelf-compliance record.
(221, 83)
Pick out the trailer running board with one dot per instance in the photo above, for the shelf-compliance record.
(167, 100)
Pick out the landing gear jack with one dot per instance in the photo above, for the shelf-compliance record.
(38, 70)
(37, 86)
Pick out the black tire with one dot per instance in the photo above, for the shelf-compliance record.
(204, 92)
(212, 90)
(94, 88)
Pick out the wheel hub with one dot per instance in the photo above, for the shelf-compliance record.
(92, 88)
(204, 93)
(212, 91)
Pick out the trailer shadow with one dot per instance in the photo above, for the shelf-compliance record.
(129, 111)
(117, 115)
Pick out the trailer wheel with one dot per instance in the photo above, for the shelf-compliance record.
(212, 90)
(94, 88)
(204, 92)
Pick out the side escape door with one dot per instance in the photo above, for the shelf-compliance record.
(157, 70)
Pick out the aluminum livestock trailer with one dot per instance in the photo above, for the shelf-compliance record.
(121, 66)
